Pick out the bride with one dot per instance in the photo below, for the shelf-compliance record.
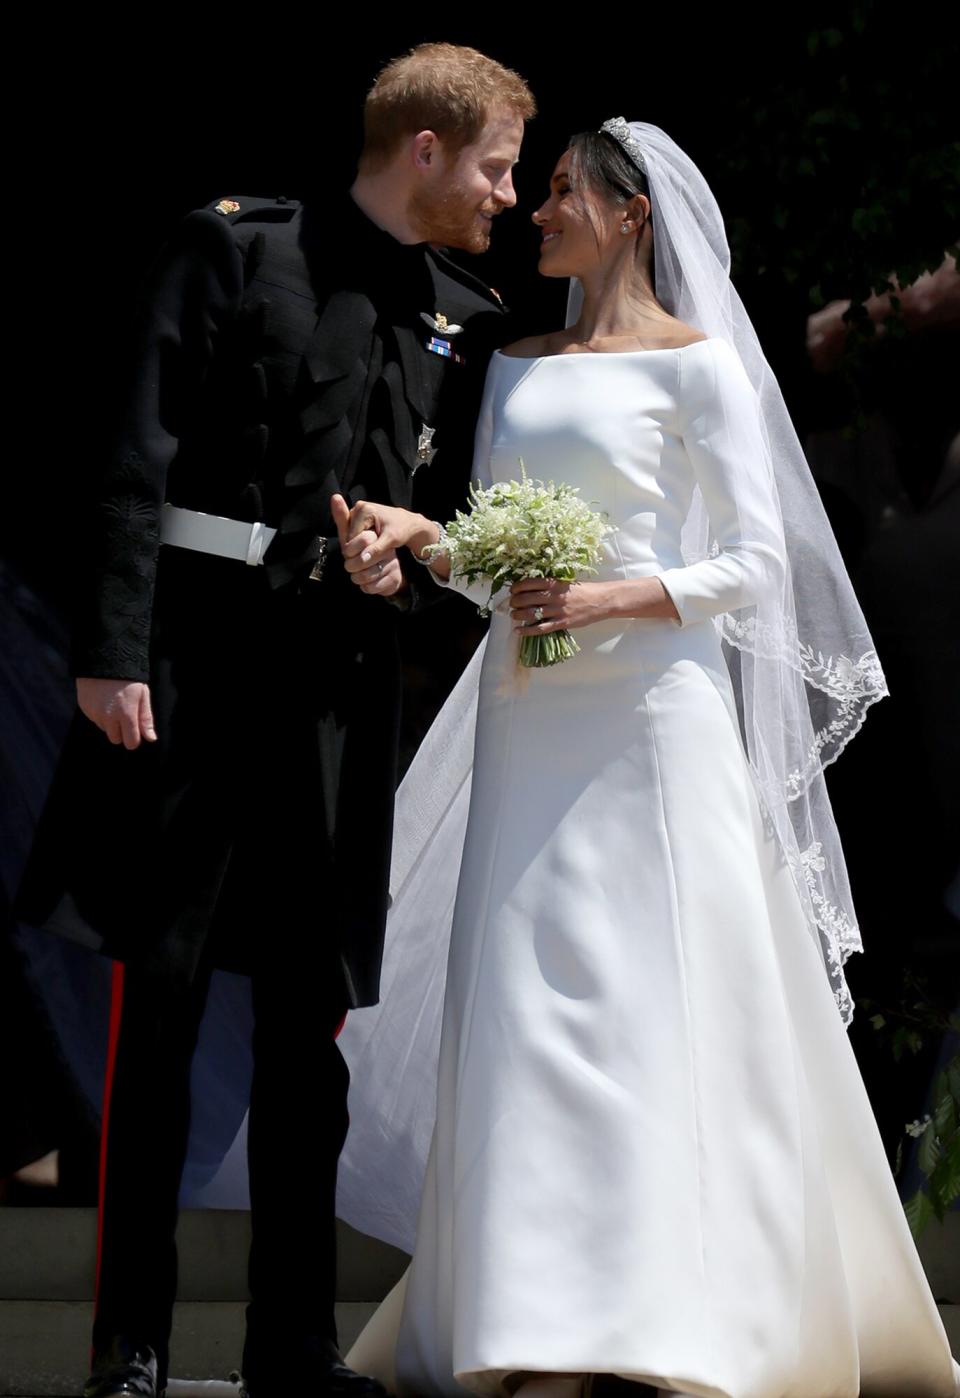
(653, 1156)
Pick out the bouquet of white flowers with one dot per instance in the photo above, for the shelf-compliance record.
(525, 529)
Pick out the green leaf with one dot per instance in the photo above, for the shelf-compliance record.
(930, 1150)
(878, 1021)
(919, 1212)
(906, 1041)
(945, 1180)
(945, 1116)
(952, 1072)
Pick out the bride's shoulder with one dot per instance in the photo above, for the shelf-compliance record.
(532, 347)
(678, 335)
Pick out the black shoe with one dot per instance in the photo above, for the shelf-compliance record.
(323, 1375)
(124, 1369)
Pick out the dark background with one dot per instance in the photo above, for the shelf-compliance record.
(826, 138)
(796, 123)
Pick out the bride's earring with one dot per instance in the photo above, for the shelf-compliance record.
(624, 228)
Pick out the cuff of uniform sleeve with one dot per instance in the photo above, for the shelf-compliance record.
(673, 583)
(115, 663)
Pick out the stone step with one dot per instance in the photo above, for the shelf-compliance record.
(49, 1254)
(44, 1345)
(47, 1258)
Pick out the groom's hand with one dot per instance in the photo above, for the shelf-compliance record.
(379, 576)
(365, 517)
(392, 527)
(120, 708)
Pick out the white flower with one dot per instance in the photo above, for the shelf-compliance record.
(524, 529)
(917, 1128)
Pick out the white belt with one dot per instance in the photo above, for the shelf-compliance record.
(228, 538)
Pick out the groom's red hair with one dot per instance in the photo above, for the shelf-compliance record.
(442, 88)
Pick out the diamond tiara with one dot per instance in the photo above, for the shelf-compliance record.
(618, 128)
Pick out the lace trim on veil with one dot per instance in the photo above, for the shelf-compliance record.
(853, 685)
(840, 691)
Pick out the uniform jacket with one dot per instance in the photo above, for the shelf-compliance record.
(283, 357)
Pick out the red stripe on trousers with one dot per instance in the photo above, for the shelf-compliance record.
(116, 1010)
(113, 1036)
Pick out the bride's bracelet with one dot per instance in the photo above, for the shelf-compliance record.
(441, 544)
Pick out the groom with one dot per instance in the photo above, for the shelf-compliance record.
(235, 689)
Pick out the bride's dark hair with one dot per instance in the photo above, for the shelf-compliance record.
(599, 162)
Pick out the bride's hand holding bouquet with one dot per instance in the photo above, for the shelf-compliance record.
(534, 537)
(537, 538)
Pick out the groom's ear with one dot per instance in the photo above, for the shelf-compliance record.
(425, 148)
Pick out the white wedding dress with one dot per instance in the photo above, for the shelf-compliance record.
(653, 1153)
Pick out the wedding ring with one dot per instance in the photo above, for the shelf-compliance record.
(538, 614)
(379, 567)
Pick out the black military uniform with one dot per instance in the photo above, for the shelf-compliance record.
(288, 352)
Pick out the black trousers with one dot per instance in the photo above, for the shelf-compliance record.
(297, 1126)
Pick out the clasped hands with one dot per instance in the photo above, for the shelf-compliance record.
(370, 535)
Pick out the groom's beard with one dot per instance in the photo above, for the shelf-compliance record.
(450, 219)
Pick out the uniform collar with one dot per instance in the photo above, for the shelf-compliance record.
(359, 225)
(343, 246)
(339, 223)
(337, 236)
(444, 263)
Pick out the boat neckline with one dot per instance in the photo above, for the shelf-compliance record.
(604, 354)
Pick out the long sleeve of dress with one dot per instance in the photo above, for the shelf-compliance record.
(721, 430)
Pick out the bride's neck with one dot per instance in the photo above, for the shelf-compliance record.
(614, 306)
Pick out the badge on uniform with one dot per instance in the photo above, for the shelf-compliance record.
(426, 451)
(227, 206)
(440, 343)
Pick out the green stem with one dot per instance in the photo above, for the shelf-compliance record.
(537, 652)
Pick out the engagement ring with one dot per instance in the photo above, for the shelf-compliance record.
(538, 614)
